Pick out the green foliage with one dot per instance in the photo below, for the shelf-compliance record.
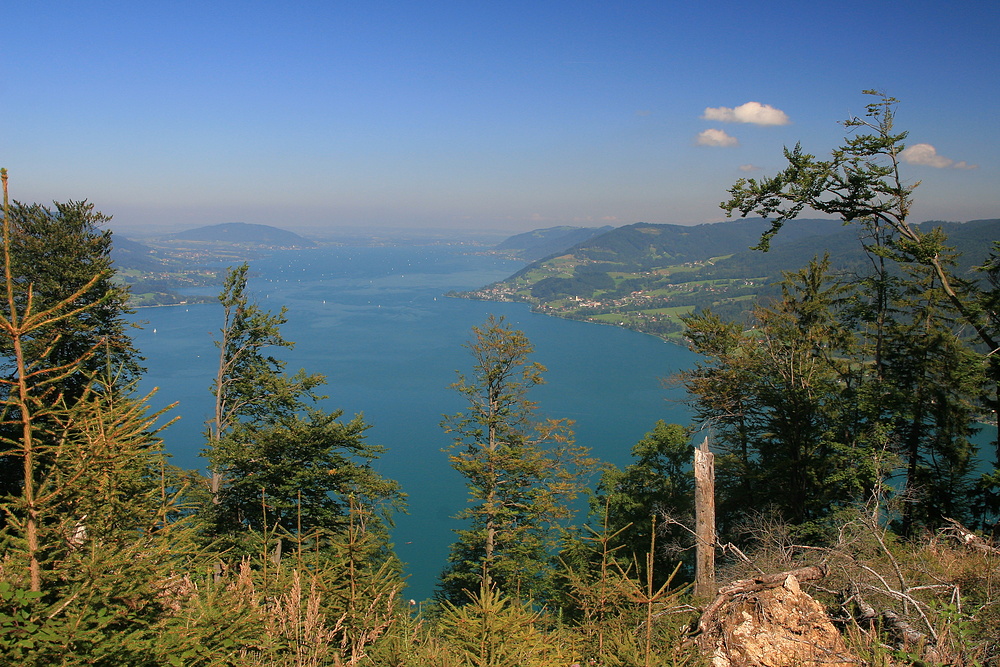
(862, 182)
(301, 474)
(932, 379)
(98, 541)
(583, 282)
(627, 615)
(63, 321)
(278, 462)
(55, 252)
(659, 482)
(492, 630)
(22, 630)
(521, 474)
(251, 385)
(103, 562)
(987, 306)
(783, 400)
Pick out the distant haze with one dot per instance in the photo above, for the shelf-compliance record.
(479, 116)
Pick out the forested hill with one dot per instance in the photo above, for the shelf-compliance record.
(644, 246)
(128, 254)
(644, 276)
(243, 232)
(541, 243)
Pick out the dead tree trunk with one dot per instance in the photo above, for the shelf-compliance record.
(704, 504)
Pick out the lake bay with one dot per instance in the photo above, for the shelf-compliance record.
(376, 323)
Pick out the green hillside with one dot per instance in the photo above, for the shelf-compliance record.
(645, 276)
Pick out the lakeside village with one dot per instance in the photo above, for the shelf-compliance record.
(654, 309)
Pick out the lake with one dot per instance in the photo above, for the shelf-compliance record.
(376, 323)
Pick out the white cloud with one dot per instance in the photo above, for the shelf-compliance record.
(714, 137)
(749, 167)
(924, 154)
(751, 112)
(927, 155)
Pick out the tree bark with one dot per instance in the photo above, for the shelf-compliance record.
(704, 501)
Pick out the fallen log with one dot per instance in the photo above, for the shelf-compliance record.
(906, 636)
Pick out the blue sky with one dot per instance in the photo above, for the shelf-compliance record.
(478, 115)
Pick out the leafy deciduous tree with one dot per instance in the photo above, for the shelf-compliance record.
(658, 482)
(862, 182)
(277, 461)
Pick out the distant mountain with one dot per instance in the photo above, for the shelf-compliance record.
(243, 232)
(970, 241)
(645, 246)
(544, 242)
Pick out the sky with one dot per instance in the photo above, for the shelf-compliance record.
(479, 115)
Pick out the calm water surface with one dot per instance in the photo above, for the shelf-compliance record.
(375, 322)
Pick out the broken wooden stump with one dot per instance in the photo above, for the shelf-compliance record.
(769, 621)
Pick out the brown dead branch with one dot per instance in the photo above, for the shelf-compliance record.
(906, 635)
(968, 538)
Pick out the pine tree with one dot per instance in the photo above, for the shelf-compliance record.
(795, 442)
(933, 380)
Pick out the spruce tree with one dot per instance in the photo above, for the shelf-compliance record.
(91, 530)
(58, 259)
(933, 381)
(987, 292)
(863, 182)
(795, 442)
(521, 472)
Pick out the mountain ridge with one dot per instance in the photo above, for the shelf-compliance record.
(243, 232)
(540, 243)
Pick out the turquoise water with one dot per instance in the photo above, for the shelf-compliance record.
(375, 322)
